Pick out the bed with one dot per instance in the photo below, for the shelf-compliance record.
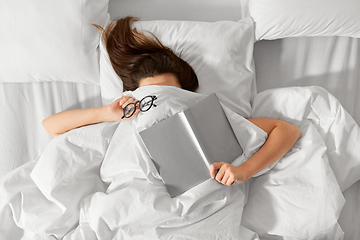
(272, 60)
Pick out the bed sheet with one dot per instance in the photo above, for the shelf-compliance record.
(23, 138)
(24, 106)
(349, 219)
(100, 189)
(329, 62)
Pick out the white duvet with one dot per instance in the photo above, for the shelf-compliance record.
(98, 182)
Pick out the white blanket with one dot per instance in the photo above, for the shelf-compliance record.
(300, 198)
(98, 182)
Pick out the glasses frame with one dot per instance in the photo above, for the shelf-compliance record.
(131, 107)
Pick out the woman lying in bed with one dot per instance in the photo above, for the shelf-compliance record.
(142, 61)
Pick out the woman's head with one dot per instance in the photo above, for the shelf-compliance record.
(135, 56)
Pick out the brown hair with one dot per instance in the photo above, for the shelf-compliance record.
(135, 56)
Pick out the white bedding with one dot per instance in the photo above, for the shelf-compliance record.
(335, 136)
(76, 186)
(328, 62)
(22, 109)
(349, 217)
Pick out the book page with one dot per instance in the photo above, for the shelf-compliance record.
(213, 131)
(175, 154)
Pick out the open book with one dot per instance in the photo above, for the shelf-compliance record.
(184, 146)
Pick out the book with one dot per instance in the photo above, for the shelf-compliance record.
(184, 145)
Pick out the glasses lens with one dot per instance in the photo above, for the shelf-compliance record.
(146, 103)
(129, 110)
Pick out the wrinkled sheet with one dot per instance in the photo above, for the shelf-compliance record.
(293, 200)
(98, 182)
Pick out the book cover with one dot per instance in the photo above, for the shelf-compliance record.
(184, 146)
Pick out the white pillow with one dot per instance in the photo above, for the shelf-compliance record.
(221, 54)
(292, 18)
(50, 40)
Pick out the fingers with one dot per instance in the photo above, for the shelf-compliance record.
(214, 167)
(230, 181)
(137, 111)
(125, 100)
(225, 174)
(116, 108)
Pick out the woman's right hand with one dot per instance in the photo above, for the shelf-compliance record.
(116, 108)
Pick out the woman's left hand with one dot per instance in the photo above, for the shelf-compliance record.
(227, 174)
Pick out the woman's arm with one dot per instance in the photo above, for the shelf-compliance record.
(281, 137)
(62, 122)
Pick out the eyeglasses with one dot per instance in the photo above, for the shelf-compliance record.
(144, 105)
